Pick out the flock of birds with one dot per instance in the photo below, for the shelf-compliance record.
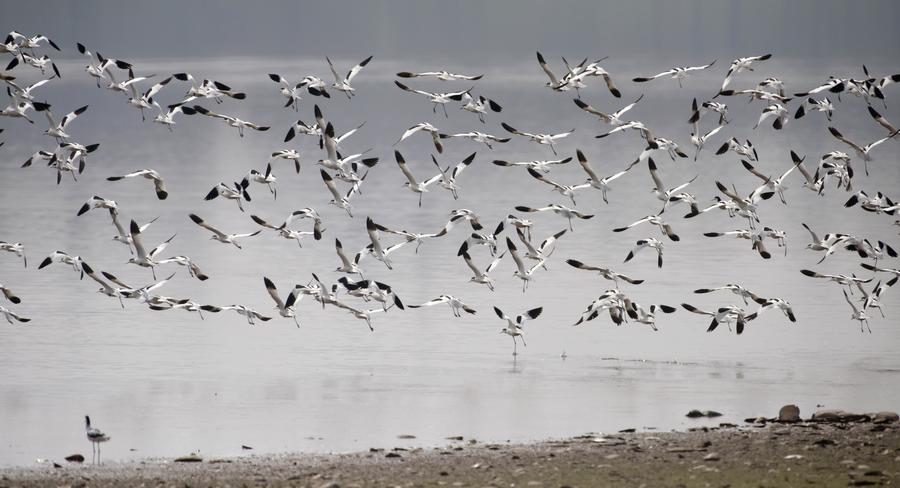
(343, 176)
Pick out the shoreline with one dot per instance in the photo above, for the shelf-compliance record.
(839, 453)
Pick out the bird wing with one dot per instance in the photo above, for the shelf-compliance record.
(199, 221)
(356, 69)
(546, 68)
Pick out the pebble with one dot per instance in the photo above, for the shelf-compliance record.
(75, 458)
(392, 455)
(406, 436)
(713, 456)
(885, 417)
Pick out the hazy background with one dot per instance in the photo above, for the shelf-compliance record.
(165, 383)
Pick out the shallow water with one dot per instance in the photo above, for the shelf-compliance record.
(166, 383)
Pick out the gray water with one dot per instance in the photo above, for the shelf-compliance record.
(167, 383)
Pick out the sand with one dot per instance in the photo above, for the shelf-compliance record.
(770, 455)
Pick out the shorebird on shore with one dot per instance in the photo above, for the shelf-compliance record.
(96, 437)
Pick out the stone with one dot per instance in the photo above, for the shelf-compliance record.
(713, 456)
(75, 458)
(885, 417)
(789, 413)
(694, 414)
(392, 455)
(406, 436)
(190, 458)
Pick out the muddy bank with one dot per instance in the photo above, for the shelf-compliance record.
(770, 455)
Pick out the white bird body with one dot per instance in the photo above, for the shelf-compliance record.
(457, 306)
(221, 236)
(677, 73)
(514, 328)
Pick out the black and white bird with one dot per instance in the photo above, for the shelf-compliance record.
(542, 165)
(235, 122)
(727, 315)
(457, 306)
(614, 119)
(143, 258)
(425, 127)
(652, 243)
(479, 105)
(449, 174)
(237, 193)
(560, 210)
(58, 129)
(9, 294)
(756, 238)
(605, 273)
(664, 227)
(150, 174)
(268, 178)
(9, 315)
(522, 272)
(415, 186)
(746, 150)
(343, 84)
(167, 117)
(436, 99)
(286, 307)
(221, 236)
(593, 180)
(347, 266)
(858, 314)
(288, 90)
(210, 89)
(476, 136)
(480, 277)
(96, 437)
(543, 139)
(739, 65)
(63, 258)
(441, 75)
(514, 328)
(338, 200)
(862, 151)
(746, 295)
(679, 73)
(16, 248)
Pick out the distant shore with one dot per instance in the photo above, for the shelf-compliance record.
(770, 455)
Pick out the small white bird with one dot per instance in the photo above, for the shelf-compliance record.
(544, 139)
(9, 315)
(542, 166)
(652, 243)
(16, 248)
(747, 150)
(726, 315)
(288, 90)
(514, 328)
(441, 75)
(207, 89)
(476, 136)
(419, 187)
(266, 178)
(772, 184)
(754, 236)
(679, 73)
(823, 105)
(219, 235)
(448, 177)
(95, 436)
(337, 199)
(564, 190)
(858, 314)
(738, 290)
(560, 210)
(456, 305)
(862, 151)
(192, 267)
(479, 105)
(145, 259)
(58, 130)
(376, 249)
(158, 184)
(251, 315)
(480, 277)
(426, 127)
(347, 266)
(522, 272)
(614, 119)
(593, 180)
(64, 258)
(775, 110)
(236, 193)
(9, 294)
(741, 64)
(436, 99)
(167, 117)
(343, 84)
(603, 272)
(664, 227)
(232, 121)
(285, 308)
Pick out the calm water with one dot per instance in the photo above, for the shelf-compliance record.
(166, 383)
